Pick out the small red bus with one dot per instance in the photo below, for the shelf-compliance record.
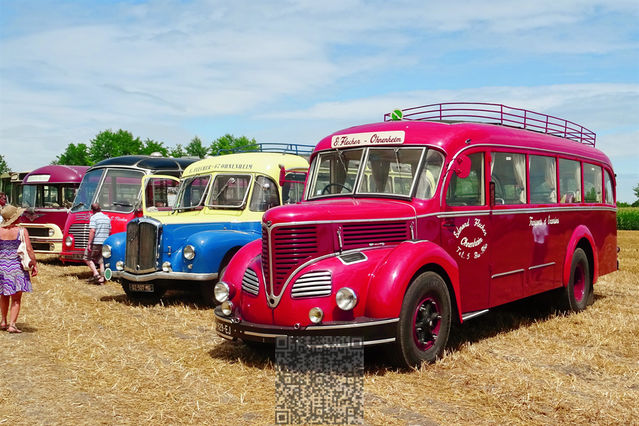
(407, 226)
(47, 196)
(116, 184)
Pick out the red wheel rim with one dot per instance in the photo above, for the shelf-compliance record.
(426, 323)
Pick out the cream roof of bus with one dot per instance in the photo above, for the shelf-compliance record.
(248, 162)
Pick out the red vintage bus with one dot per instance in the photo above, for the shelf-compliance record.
(116, 184)
(409, 225)
(47, 196)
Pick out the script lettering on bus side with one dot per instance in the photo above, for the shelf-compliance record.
(471, 239)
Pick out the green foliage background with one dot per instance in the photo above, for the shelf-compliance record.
(628, 218)
(108, 144)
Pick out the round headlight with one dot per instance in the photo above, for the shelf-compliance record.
(189, 252)
(119, 265)
(315, 315)
(221, 292)
(68, 241)
(106, 251)
(227, 308)
(166, 266)
(51, 232)
(346, 299)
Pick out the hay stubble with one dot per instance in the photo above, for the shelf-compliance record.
(88, 355)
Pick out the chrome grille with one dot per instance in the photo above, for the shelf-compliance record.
(141, 246)
(289, 247)
(312, 284)
(80, 232)
(368, 234)
(250, 282)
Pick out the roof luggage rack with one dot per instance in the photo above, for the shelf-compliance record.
(284, 148)
(498, 114)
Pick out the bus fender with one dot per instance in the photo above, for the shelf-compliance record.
(212, 246)
(579, 233)
(391, 278)
(117, 242)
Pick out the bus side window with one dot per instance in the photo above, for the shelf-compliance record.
(592, 184)
(610, 196)
(468, 191)
(264, 195)
(543, 179)
(293, 187)
(569, 181)
(508, 172)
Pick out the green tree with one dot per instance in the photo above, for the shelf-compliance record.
(196, 149)
(150, 146)
(74, 155)
(636, 190)
(4, 167)
(108, 144)
(229, 143)
(177, 151)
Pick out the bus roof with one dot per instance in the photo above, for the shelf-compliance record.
(452, 137)
(56, 174)
(250, 162)
(147, 162)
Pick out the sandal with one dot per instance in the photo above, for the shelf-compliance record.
(100, 281)
(3, 327)
(94, 279)
(13, 329)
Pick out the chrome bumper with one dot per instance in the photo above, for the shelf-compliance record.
(161, 275)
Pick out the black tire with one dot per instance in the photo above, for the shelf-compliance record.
(424, 322)
(578, 293)
(142, 297)
(207, 294)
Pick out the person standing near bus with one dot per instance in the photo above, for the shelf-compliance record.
(3, 202)
(99, 230)
(14, 280)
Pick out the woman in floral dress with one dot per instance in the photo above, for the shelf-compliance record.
(13, 278)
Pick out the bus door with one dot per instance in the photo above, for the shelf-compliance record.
(466, 232)
(160, 194)
(511, 240)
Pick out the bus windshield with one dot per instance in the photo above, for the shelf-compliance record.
(191, 192)
(388, 171)
(229, 191)
(120, 190)
(84, 197)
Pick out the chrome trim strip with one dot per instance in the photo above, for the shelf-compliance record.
(470, 315)
(541, 266)
(516, 271)
(557, 209)
(352, 325)
(161, 275)
(228, 321)
(323, 222)
(250, 333)
(379, 342)
(464, 213)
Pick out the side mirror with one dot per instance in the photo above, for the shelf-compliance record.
(282, 174)
(461, 166)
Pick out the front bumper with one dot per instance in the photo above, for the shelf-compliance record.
(161, 275)
(372, 331)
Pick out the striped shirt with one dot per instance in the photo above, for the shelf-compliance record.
(102, 225)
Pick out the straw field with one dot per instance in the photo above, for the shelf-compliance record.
(87, 355)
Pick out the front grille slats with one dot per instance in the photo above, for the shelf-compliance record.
(141, 246)
(80, 233)
(289, 247)
(367, 234)
(250, 282)
(312, 284)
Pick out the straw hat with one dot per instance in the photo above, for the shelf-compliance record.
(10, 214)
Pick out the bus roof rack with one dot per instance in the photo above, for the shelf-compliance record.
(284, 148)
(483, 112)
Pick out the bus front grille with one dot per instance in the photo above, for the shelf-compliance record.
(80, 233)
(141, 246)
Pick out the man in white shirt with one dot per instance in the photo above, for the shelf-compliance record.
(99, 230)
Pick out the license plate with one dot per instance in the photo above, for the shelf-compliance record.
(143, 288)
(223, 328)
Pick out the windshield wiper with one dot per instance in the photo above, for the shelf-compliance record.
(122, 203)
(231, 181)
(77, 205)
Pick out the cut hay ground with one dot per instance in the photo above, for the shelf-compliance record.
(87, 355)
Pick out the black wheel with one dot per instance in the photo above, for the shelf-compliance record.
(330, 185)
(207, 294)
(144, 297)
(424, 322)
(578, 293)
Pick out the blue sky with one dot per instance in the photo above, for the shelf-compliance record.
(295, 71)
